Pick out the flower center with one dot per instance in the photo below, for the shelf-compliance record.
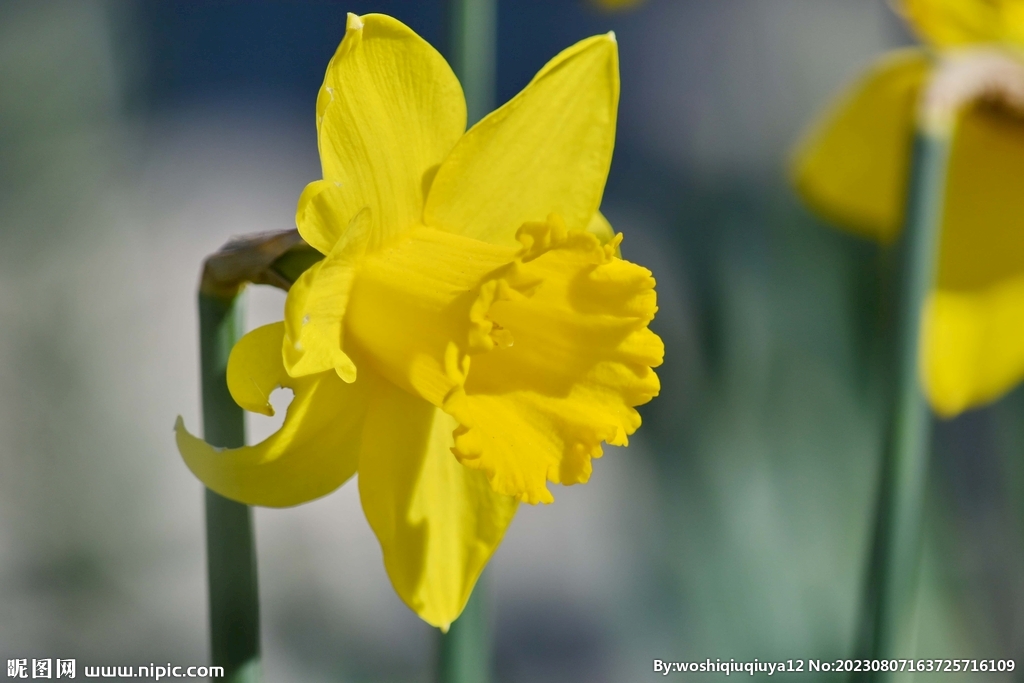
(540, 353)
(417, 308)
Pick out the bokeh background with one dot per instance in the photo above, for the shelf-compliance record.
(136, 137)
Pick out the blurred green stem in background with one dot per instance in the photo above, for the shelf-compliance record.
(230, 549)
(472, 52)
(464, 653)
(887, 612)
(275, 259)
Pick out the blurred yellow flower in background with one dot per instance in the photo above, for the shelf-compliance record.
(471, 302)
(616, 4)
(951, 23)
(853, 168)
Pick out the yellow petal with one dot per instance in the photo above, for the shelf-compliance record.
(960, 22)
(975, 322)
(972, 350)
(315, 308)
(853, 165)
(253, 371)
(321, 211)
(983, 226)
(388, 113)
(546, 151)
(314, 452)
(438, 522)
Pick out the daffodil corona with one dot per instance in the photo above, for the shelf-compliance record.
(471, 333)
(853, 168)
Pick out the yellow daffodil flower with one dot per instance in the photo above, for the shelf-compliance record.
(471, 333)
(853, 168)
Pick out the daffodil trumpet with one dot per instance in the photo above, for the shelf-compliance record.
(925, 151)
(471, 334)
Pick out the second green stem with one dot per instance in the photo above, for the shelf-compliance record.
(888, 607)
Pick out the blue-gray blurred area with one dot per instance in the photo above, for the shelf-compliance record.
(137, 137)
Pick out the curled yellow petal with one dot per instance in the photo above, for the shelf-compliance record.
(389, 111)
(547, 150)
(971, 346)
(324, 208)
(252, 373)
(853, 165)
(315, 451)
(438, 522)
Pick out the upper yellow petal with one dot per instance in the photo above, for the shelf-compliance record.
(960, 22)
(852, 166)
(438, 522)
(389, 111)
(547, 150)
(315, 451)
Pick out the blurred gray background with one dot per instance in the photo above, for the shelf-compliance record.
(137, 137)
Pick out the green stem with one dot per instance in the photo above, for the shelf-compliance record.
(887, 616)
(231, 553)
(464, 653)
(473, 39)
